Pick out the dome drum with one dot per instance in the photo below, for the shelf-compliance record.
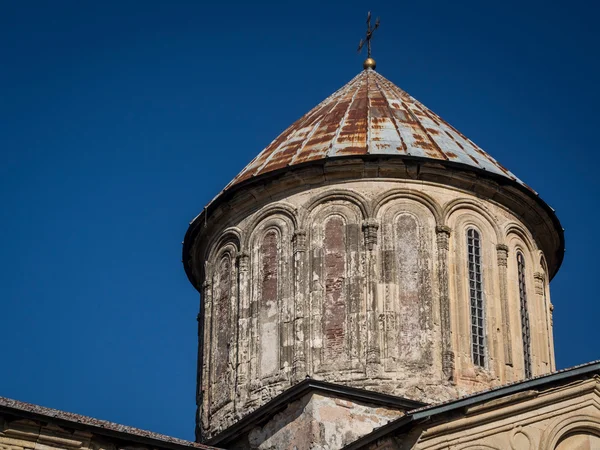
(356, 282)
(371, 245)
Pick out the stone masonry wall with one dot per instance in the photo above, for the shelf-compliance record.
(363, 283)
(565, 418)
(316, 422)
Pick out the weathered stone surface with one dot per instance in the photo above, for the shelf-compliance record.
(565, 417)
(364, 283)
(317, 422)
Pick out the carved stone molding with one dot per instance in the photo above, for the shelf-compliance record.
(300, 327)
(539, 279)
(299, 241)
(243, 260)
(443, 237)
(370, 227)
(502, 254)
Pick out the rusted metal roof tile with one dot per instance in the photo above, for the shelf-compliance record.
(370, 115)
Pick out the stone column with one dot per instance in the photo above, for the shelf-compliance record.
(370, 227)
(243, 330)
(443, 238)
(301, 276)
(543, 322)
(502, 256)
(551, 336)
(204, 377)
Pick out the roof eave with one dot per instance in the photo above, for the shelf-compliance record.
(226, 194)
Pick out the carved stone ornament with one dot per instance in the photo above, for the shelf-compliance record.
(502, 253)
(243, 260)
(443, 236)
(299, 241)
(370, 227)
(539, 282)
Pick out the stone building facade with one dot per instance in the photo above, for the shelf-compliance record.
(373, 246)
(554, 412)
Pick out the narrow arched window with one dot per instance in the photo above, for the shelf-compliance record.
(476, 297)
(525, 331)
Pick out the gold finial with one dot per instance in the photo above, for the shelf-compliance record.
(369, 62)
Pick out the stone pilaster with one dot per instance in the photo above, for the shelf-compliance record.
(443, 244)
(204, 380)
(502, 257)
(544, 336)
(551, 336)
(243, 329)
(301, 333)
(539, 279)
(370, 228)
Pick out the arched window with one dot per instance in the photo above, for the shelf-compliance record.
(524, 315)
(476, 297)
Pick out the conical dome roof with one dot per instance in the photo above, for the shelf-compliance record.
(370, 116)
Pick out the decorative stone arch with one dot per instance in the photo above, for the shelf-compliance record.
(276, 209)
(231, 235)
(456, 205)
(417, 196)
(518, 242)
(461, 217)
(513, 228)
(205, 255)
(282, 222)
(567, 425)
(336, 248)
(409, 300)
(221, 307)
(270, 294)
(329, 196)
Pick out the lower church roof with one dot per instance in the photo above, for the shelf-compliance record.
(404, 423)
(22, 410)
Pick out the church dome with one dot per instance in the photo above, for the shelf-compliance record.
(374, 246)
(370, 116)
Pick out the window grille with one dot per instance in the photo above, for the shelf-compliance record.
(525, 331)
(476, 297)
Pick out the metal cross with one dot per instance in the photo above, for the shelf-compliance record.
(369, 35)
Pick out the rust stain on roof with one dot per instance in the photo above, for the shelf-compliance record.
(370, 115)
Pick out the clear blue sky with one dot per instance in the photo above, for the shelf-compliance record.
(120, 120)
